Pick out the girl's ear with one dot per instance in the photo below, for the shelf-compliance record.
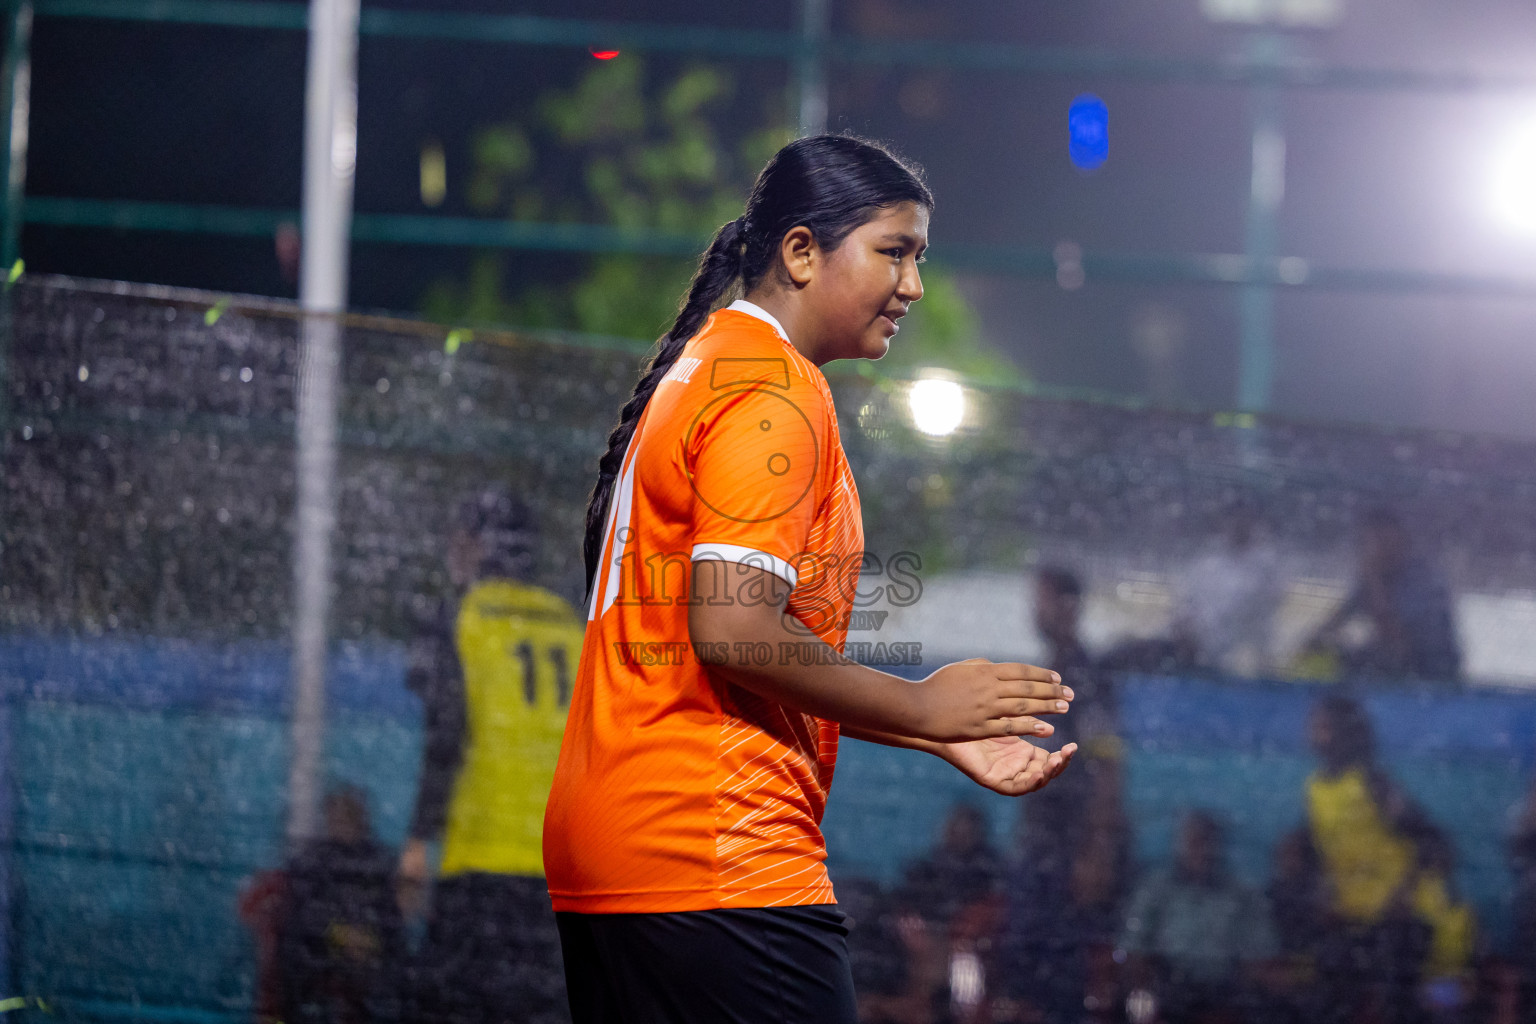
(800, 255)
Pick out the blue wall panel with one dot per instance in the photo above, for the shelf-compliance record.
(149, 781)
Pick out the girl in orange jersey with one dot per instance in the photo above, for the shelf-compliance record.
(682, 838)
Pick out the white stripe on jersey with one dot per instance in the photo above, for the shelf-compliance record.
(623, 504)
(748, 556)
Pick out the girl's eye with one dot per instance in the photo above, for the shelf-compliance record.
(894, 254)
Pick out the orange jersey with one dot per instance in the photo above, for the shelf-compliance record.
(675, 789)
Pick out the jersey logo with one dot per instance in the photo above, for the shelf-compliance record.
(683, 371)
(785, 453)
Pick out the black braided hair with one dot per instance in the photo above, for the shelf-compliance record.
(829, 184)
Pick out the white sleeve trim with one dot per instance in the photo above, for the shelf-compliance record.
(748, 556)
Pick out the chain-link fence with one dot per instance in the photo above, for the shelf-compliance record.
(147, 585)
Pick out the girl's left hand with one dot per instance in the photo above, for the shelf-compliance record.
(1007, 764)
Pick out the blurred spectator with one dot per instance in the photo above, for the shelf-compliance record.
(1522, 863)
(1093, 722)
(1405, 605)
(1194, 937)
(1298, 904)
(1298, 896)
(1064, 900)
(964, 868)
(1063, 910)
(1226, 601)
(1401, 941)
(262, 901)
(494, 675)
(877, 954)
(940, 919)
(1090, 792)
(339, 937)
(1064, 895)
(910, 983)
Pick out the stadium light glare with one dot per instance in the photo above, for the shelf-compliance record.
(1513, 192)
(938, 406)
(1293, 14)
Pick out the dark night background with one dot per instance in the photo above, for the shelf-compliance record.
(1375, 179)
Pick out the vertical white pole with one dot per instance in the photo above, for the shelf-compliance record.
(16, 90)
(330, 160)
(811, 69)
(15, 101)
(1266, 192)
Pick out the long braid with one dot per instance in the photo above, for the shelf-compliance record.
(719, 268)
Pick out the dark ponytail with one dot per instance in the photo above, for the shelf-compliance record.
(719, 268)
(828, 183)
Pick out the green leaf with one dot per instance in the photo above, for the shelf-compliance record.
(696, 89)
(606, 105)
(503, 149)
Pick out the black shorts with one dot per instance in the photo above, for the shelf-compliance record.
(782, 965)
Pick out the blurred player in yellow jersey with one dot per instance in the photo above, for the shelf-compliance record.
(1404, 938)
(494, 675)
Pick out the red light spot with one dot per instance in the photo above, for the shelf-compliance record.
(605, 54)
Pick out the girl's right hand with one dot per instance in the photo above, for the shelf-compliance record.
(974, 699)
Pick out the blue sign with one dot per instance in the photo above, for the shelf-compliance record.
(1088, 123)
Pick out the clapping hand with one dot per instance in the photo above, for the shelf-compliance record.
(1007, 764)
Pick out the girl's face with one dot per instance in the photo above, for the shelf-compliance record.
(865, 285)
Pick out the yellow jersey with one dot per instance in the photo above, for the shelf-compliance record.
(518, 646)
(1368, 863)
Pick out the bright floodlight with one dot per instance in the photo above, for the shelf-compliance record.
(937, 406)
(1514, 182)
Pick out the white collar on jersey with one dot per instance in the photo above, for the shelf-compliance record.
(753, 309)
